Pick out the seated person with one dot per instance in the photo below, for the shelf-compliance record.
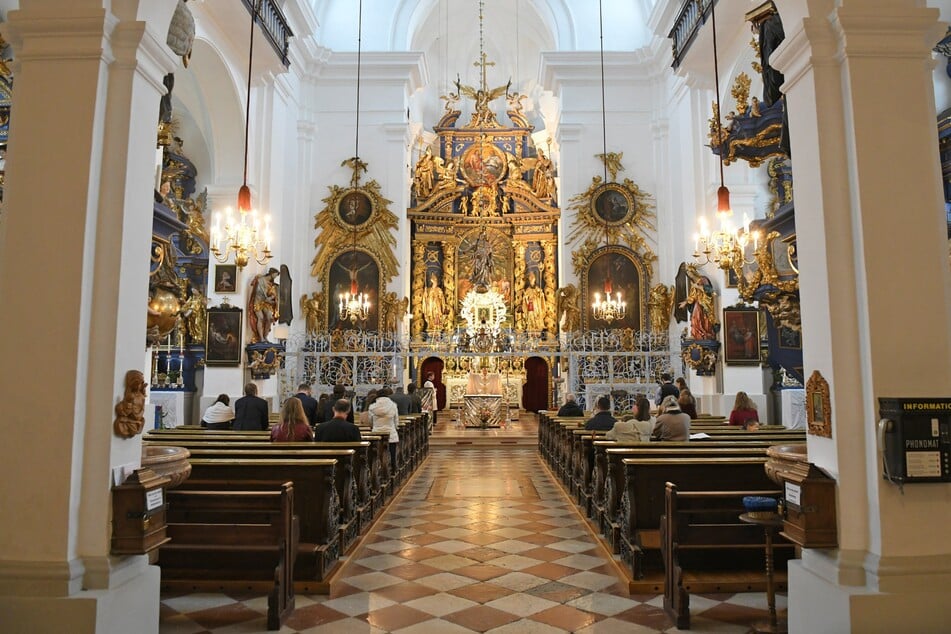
(571, 407)
(385, 417)
(672, 424)
(251, 411)
(637, 428)
(294, 426)
(338, 428)
(744, 412)
(602, 419)
(339, 392)
(219, 415)
(688, 404)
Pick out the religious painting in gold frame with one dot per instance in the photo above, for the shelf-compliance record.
(354, 208)
(483, 164)
(613, 204)
(818, 406)
(353, 268)
(628, 274)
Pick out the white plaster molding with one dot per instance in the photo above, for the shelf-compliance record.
(408, 69)
(584, 68)
(111, 572)
(888, 32)
(37, 34)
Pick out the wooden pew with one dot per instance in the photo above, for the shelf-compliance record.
(233, 539)
(706, 548)
(316, 505)
(642, 502)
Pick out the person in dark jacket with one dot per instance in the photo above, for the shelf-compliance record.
(402, 401)
(307, 402)
(250, 411)
(602, 419)
(415, 402)
(667, 388)
(339, 392)
(337, 429)
(571, 407)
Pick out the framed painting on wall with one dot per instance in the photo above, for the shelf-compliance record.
(741, 340)
(223, 336)
(614, 270)
(353, 272)
(226, 278)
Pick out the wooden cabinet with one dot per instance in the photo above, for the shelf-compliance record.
(138, 513)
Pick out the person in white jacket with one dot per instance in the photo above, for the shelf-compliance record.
(383, 418)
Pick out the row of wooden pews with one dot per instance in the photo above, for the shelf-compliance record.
(339, 488)
(622, 489)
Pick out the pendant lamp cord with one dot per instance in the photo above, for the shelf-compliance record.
(356, 148)
(716, 81)
(604, 127)
(247, 111)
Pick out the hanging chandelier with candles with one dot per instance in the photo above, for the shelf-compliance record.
(724, 247)
(247, 235)
(355, 306)
(612, 306)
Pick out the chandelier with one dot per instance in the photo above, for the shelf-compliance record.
(243, 234)
(612, 307)
(355, 306)
(725, 247)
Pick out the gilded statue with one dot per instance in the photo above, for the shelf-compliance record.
(612, 161)
(660, 305)
(434, 304)
(533, 304)
(543, 179)
(312, 307)
(263, 305)
(130, 418)
(195, 313)
(482, 262)
(699, 302)
(392, 311)
(447, 172)
(569, 308)
(425, 177)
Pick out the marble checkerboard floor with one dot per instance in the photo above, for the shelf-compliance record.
(480, 540)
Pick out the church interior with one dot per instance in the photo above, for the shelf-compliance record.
(499, 206)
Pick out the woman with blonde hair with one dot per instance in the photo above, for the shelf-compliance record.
(293, 426)
(744, 411)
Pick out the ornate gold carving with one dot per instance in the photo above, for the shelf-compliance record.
(519, 247)
(483, 117)
(612, 161)
(312, 309)
(621, 210)
(661, 306)
(741, 92)
(703, 360)
(358, 166)
(757, 67)
(449, 281)
(718, 133)
(419, 283)
(371, 229)
(818, 405)
(551, 318)
(392, 311)
(569, 309)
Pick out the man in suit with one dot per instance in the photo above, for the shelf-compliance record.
(339, 392)
(250, 411)
(337, 429)
(602, 419)
(415, 403)
(402, 401)
(309, 403)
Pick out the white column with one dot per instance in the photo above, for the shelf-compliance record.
(876, 299)
(78, 191)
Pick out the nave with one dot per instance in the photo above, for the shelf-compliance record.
(479, 540)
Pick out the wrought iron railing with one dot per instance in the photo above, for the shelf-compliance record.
(273, 24)
(693, 14)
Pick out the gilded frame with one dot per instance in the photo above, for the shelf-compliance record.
(366, 277)
(355, 209)
(223, 341)
(741, 336)
(225, 273)
(643, 273)
(818, 406)
(613, 204)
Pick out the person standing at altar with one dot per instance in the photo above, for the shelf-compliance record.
(602, 419)
(429, 398)
(384, 417)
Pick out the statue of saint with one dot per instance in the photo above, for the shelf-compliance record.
(263, 305)
(195, 314)
(434, 304)
(543, 179)
(699, 302)
(425, 176)
(482, 262)
(569, 310)
(312, 308)
(533, 304)
(660, 304)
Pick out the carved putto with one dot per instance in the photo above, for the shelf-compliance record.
(129, 411)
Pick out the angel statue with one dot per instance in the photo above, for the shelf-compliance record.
(612, 161)
(392, 311)
(312, 308)
(569, 310)
(482, 115)
(660, 304)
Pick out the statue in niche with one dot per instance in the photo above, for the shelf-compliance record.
(482, 262)
(263, 305)
(312, 308)
(569, 310)
(130, 418)
(533, 304)
(434, 304)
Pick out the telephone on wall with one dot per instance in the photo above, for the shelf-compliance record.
(914, 435)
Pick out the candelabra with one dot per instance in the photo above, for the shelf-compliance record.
(725, 247)
(609, 308)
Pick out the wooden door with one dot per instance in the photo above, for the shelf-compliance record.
(435, 365)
